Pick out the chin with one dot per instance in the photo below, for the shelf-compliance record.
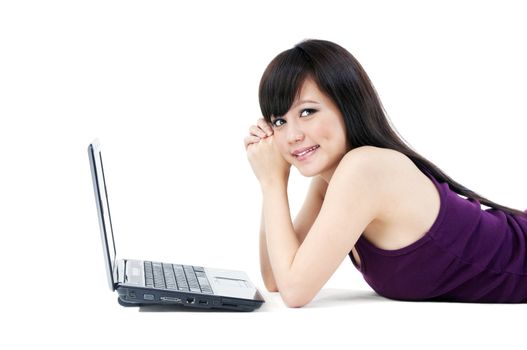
(308, 171)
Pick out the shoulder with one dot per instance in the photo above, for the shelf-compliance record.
(371, 160)
(363, 174)
(387, 174)
(390, 176)
(375, 153)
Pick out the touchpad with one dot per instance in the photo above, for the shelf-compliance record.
(230, 282)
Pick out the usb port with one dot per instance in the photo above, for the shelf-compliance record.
(203, 302)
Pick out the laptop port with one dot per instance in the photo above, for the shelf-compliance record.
(229, 305)
(171, 299)
(203, 302)
(191, 300)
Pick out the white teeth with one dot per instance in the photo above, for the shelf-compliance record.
(307, 151)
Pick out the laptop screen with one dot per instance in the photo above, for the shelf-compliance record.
(103, 209)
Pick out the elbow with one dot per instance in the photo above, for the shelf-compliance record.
(295, 301)
(295, 297)
(294, 304)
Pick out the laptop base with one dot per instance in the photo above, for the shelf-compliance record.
(128, 303)
(125, 303)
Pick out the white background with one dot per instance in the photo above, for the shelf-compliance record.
(171, 89)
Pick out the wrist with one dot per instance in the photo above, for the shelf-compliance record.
(273, 185)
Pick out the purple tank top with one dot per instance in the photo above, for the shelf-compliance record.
(468, 255)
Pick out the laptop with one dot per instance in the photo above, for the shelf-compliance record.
(140, 283)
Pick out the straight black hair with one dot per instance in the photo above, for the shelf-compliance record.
(341, 77)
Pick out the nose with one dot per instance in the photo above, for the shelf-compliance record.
(294, 134)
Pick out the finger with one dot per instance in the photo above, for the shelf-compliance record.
(256, 131)
(262, 124)
(249, 140)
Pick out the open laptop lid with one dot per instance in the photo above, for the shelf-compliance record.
(103, 211)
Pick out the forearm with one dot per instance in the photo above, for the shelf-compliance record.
(282, 243)
(265, 266)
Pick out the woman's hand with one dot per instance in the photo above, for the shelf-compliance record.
(257, 132)
(266, 161)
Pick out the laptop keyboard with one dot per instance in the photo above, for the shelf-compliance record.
(185, 278)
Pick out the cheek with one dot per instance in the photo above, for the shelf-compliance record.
(282, 146)
(328, 132)
(325, 132)
(334, 134)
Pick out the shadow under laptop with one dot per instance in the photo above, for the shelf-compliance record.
(326, 298)
(180, 308)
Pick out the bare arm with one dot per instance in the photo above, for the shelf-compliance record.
(353, 200)
(302, 224)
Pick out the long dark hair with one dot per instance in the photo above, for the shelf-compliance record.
(341, 77)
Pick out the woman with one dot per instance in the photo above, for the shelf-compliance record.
(397, 215)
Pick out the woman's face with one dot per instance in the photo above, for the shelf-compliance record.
(311, 135)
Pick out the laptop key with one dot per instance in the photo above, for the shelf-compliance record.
(170, 278)
(202, 279)
(159, 280)
(192, 279)
(180, 278)
(204, 283)
(149, 276)
(176, 277)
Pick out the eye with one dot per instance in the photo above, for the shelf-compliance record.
(278, 122)
(307, 111)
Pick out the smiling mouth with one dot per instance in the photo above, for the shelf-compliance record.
(306, 152)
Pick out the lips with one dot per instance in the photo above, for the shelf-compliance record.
(299, 153)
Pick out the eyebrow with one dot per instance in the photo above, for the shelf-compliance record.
(303, 101)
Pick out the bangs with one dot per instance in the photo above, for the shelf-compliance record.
(281, 82)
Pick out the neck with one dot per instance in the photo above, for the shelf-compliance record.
(327, 174)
